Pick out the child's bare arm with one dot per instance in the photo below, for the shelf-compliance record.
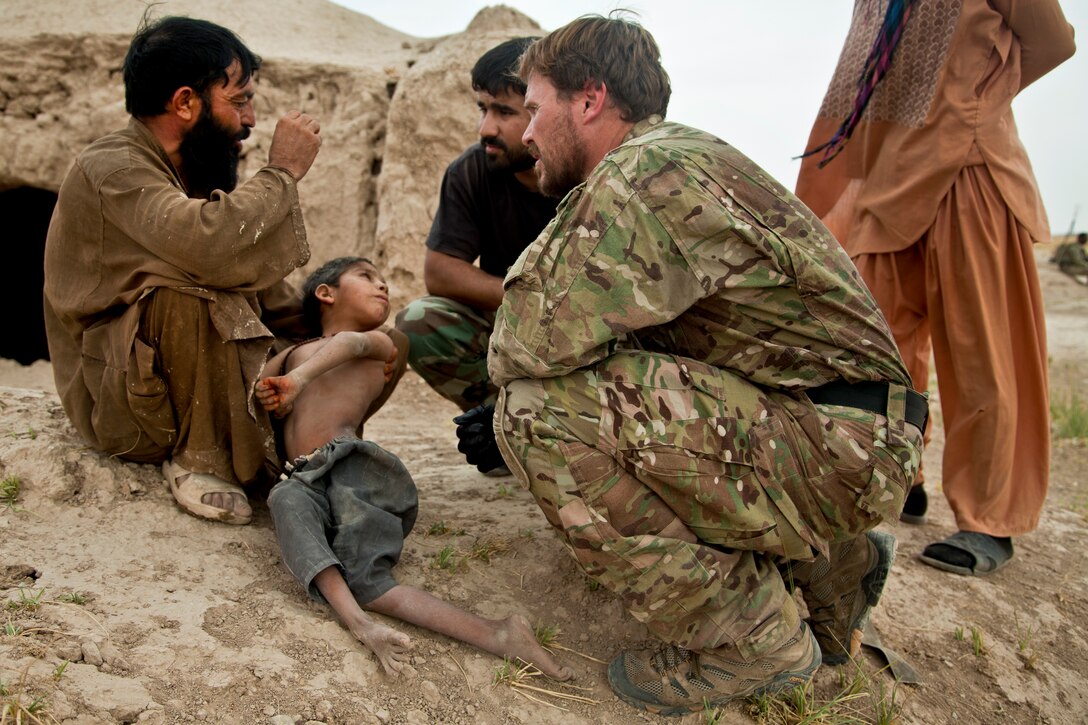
(274, 366)
(265, 391)
(276, 393)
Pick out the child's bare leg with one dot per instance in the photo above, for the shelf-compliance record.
(390, 646)
(511, 637)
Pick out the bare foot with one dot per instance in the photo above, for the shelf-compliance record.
(206, 496)
(236, 503)
(516, 637)
(390, 646)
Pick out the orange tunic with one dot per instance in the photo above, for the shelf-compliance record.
(935, 201)
(946, 103)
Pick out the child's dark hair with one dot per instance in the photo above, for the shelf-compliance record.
(329, 273)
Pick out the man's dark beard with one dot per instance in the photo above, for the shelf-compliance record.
(514, 162)
(209, 156)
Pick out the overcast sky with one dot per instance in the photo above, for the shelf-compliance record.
(753, 72)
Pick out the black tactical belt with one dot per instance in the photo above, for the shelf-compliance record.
(870, 396)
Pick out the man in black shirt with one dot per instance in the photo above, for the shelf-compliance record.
(489, 209)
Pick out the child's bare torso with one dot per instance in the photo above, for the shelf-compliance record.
(334, 404)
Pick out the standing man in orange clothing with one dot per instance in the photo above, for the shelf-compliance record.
(935, 201)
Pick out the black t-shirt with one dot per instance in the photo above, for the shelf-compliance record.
(486, 215)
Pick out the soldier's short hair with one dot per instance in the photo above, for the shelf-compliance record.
(612, 50)
(497, 70)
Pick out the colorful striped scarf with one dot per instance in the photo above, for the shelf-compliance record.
(876, 67)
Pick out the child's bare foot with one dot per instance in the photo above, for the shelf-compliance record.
(390, 646)
(517, 638)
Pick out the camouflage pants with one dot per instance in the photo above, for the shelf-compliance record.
(680, 487)
(449, 348)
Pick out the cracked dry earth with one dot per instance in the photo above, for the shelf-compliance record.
(164, 618)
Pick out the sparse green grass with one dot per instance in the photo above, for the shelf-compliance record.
(506, 673)
(449, 558)
(58, 671)
(978, 646)
(21, 707)
(503, 491)
(73, 598)
(884, 701)
(527, 534)
(886, 708)
(1024, 636)
(11, 629)
(852, 684)
(800, 706)
(711, 714)
(10, 487)
(1069, 416)
(546, 634)
(484, 549)
(27, 602)
(978, 643)
(519, 675)
(439, 528)
(446, 558)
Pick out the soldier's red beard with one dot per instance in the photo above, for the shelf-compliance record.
(562, 167)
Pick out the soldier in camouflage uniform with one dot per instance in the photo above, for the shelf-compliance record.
(489, 210)
(696, 386)
(1072, 258)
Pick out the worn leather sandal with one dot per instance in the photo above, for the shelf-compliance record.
(189, 488)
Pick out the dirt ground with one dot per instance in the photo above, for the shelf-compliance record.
(121, 608)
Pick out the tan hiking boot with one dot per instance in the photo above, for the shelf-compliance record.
(840, 592)
(671, 680)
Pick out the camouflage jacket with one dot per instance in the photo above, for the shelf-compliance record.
(678, 243)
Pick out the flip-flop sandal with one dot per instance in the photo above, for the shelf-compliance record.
(189, 487)
(988, 553)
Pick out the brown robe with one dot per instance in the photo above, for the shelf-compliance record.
(156, 305)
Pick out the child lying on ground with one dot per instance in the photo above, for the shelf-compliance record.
(342, 514)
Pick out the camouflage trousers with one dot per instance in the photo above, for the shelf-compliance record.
(449, 348)
(681, 487)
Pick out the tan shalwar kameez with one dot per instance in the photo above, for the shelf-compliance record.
(935, 201)
(156, 305)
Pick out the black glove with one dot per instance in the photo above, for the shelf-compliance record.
(476, 438)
